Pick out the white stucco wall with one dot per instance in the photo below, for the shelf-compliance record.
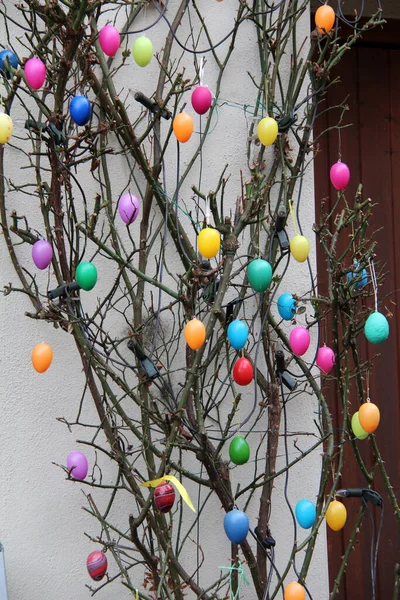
(42, 524)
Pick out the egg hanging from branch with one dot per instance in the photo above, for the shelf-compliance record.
(267, 131)
(325, 359)
(109, 40)
(77, 465)
(336, 515)
(195, 333)
(128, 208)
(376, 328)
(183, 126)
(369, 416)
(42, 356)
(6, 128)
(201, 99)
(294, 591)
(80, 110)
(286, 306)
(358, 431)
(259, 274)
(164, 496)
(243, 371)
(299, 339)
(42, 254)
(325, 18)
(96, 564)
(86, 275)
(300, 248)
(239, 451)
(340, 175)
(209, 242)
(142, 50)
(236, 525)
(238, 332)
(35, 72)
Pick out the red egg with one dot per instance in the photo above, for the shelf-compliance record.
(164, 496)
(243, 371)
(96, 565)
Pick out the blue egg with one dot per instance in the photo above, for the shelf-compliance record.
(236, 525)
(238, 332)
(12, 59)
(306, 513)
(80, 109)
(359, 276)
(376, 328)
(286, 306)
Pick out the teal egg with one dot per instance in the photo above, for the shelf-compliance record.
(239, 451)
(259, 274)
(376, 328)
(286, 306)
(238, 333)
(86, 275)
(306, 513)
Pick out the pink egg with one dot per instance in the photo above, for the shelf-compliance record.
(77, 464)
(325, 359)
(340, 175)
(35, 72)
(299, 340)
(201, 99)
(128, 208)
(42, 254)
(109, 40)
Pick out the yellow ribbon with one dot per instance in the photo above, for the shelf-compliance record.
(155, 482)
(293, 217)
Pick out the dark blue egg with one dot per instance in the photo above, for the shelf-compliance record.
(236, 525)
(12, 59)
(80, 110)
(358, 276)
(286, 306)
(237, 334)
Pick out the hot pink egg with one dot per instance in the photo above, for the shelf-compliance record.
(340, 175)
(325, 359)
(109, 40)
(35, 72)
(201, 99)
(299, 340)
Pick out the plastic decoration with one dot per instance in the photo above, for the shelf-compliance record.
(12, 59)
(369, 416)
(358, 276)
(259, 274)
(236, 525)
(286, 306)
(77, 465)
(109, 40)
(35, 73)
(42, 254)
(267, 131)
(6, 128)
(201, 99)
(336, 515)
(142, 51)
(238, 332)
(80, 110)
(325, 359)
(358, 431)
(243, 371)
(86, 275)
(195, 334)
(325, 18)
(42, 355)
(164, 496)
(300, 248)
(209, 242)
(128, 208)
(294, 591)
(376, 328)
(96, 564)
(239, 451)
(340, 176)
(181, 489)
(306, 513)
(183, 126)
(299, 340)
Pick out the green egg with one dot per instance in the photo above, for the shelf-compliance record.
(259, 274)
(142, 51)
(358, 431)
(86, 275)
(239, 451)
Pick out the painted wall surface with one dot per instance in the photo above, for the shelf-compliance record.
(42, 524)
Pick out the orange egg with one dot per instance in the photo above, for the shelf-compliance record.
(369, 416)
(325, 18)
(195, 334)
(294, 591)
(183, 126)
(42, 355)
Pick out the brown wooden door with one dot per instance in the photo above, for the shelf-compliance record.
(370, 79)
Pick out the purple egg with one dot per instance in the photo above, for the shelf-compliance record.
(128, 207)
(77, 464)
(42, 254)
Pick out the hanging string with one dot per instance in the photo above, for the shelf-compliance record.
(291, 208)
(242, 579)
(374, 281)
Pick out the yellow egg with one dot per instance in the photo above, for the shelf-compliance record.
(209, 242)
(6, 128)
(336, 515)
(267, 130)
(300, 248)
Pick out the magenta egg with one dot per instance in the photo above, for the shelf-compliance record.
(340, 175)
(35, 72)
(77, 464)
(96, 564)
(42, 254)
(201, 99)
(299, 340)
(325, 359)
(128, 207)
(109, 40)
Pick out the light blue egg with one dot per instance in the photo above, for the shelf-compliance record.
(306, 513)
(236, 525)
(286, 306)
(358, 276)
(376, 328)
(238, 332)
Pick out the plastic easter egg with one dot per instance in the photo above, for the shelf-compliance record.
(236, 525)
(6, 128)
(376, 328)
(336, 515)
(183, 126)
(109, 40)
(286, 306)
(86, 275)
(77, 465)
(42, 254)
(259, 274)
(142, 51)
(164, 496)
(358, 431)
(299, 339)
(8, 55)
(357, 275)
(369, 416)
(42, 355)
(239, 451)
(238, 332)
(35, 72)
(243, 371)
(201, 99)
(195, 334)
(340, 175)
(80, 110)
(325, 18)
(96, 564)
(300, 248)
(306, 513)
(209, 242)
(325, 359)
(128, 208)
(267, 131)
(294, 591)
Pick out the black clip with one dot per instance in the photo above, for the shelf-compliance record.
(286, 378)
(152, 106)
(63, 290)
(147, 365)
